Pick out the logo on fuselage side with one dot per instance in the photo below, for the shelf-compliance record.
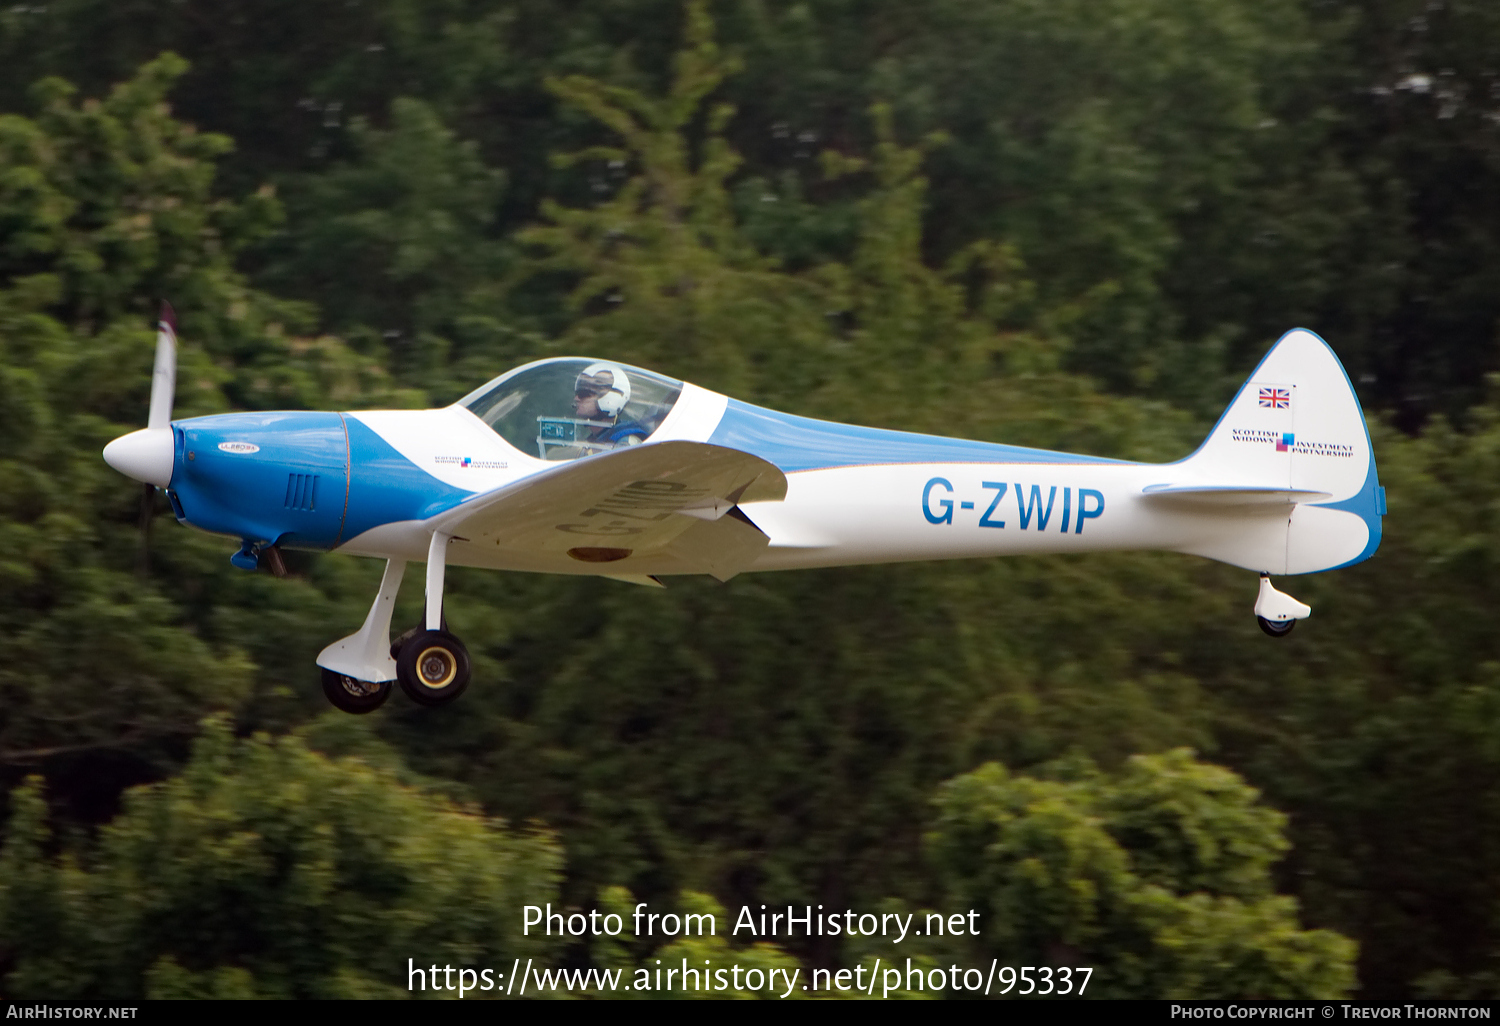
(1286, 441)
(469, 462)
(243, 448)
(1306, 448)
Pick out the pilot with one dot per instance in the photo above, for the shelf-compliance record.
(599, 394)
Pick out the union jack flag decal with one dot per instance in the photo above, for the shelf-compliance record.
(1276, 398)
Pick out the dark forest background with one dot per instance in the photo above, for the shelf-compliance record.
(1074, 224)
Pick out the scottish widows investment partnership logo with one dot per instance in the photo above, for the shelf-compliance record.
(468, 462)
(1276, 399)
(1286, 441)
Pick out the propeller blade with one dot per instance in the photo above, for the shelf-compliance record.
(147, 455)
(164, 375)
(148, 511)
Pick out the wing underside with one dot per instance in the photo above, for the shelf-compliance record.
(668, 507)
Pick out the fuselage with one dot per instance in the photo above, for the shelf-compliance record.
(592, 468)
(365, 483)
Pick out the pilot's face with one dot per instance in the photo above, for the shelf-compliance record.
(586, 406)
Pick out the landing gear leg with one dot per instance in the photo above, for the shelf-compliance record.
(433, 665)
(407, 635)
(358, 670)
(1277, 613)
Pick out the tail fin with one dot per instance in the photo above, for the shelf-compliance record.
(1292, 454)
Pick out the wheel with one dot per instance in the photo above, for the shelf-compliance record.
(406, 636)
(1274, 629)
(353, 695)
(433, 668)
(402, 639)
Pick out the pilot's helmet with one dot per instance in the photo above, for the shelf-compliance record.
(607, 383)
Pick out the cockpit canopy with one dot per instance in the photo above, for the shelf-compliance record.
(568, 407)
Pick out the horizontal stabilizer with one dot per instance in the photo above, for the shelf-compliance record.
(1234, 495)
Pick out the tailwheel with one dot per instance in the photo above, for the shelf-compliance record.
(1275, 628)
(353, 695)
(433, 668)
(1276, 612)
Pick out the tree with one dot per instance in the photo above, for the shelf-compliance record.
(396, 248)
(1407, 102)
(690, 292)
(1160, 873)
(1141, 190)
(700, 951)
(267, 870)
(105, 207)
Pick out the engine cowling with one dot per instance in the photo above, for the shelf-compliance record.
(272, 478)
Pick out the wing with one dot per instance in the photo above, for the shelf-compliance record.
(667, 498)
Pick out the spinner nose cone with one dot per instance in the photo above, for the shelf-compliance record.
(145, 455)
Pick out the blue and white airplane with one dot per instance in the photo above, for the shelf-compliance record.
(579, 466)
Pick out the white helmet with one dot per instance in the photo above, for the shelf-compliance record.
(607, 383)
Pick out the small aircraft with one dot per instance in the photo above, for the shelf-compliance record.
(581, 466)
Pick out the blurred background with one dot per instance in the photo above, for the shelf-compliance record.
(1073, 224)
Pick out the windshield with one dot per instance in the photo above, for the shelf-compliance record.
(566, 408)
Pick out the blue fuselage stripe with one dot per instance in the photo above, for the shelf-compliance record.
(386, 487)
(1366, 504)
(795, 443)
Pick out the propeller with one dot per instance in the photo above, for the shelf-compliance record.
(164, 373)
(147, 455)
(148, 512)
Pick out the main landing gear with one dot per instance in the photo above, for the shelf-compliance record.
(433, 668)
(1278, 613)
(431, 665)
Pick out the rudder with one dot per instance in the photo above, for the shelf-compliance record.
(1296, 425)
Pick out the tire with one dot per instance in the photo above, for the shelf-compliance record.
(433, 668)
(353, 695)
(406, 636)
(1276, 630)
(402, 639)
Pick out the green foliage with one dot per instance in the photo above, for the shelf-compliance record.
(1183, 182)
(926, 216)
(667, 276)
(1159, 876)
(692, 294)
(107, 204)
(267, 870)
(1384, 743)
(394, 245)
(701, 951)
(893, 658)
(1408, 117)
(1062, 147)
